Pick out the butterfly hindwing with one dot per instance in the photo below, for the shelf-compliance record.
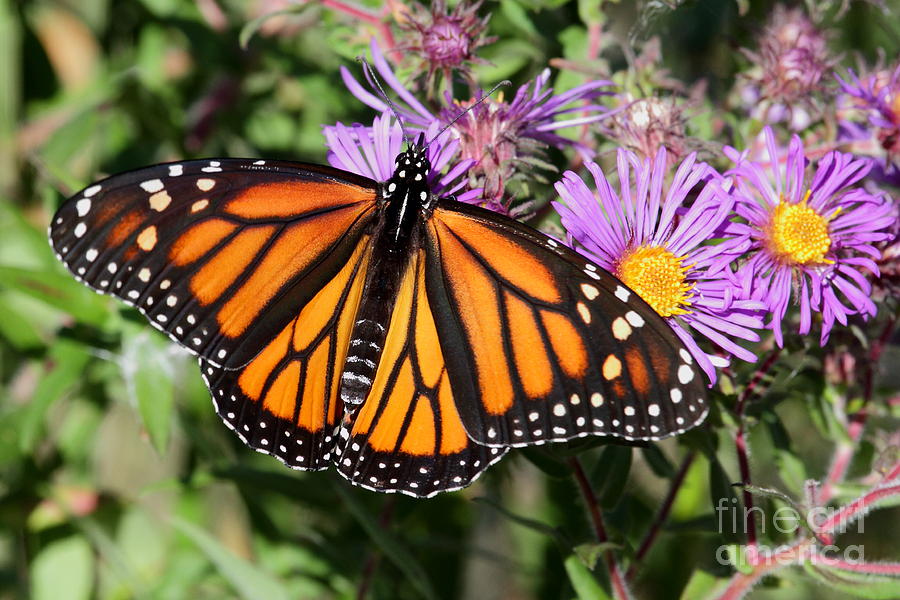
(219, 254)
(285, 401)
(541, 345)
(408, 436)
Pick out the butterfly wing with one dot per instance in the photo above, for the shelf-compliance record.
(219, 254)
(285, 402)
(541, 345)
(408, 436)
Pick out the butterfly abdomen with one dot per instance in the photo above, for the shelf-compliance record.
(362, 360)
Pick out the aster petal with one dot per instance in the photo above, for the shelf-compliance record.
(780, 292)
(805, 312)
(722, 341)
(796, 166)
(858, 299)
(772, 150)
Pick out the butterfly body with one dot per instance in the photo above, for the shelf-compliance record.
(406, 339)
(396, 235)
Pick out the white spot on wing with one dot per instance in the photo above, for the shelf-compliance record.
(91, 191)
(152, 185)
(635, 319)
(83, 206)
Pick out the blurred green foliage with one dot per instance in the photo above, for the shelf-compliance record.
(117, 480)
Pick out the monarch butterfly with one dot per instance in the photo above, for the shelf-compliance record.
(408, 339)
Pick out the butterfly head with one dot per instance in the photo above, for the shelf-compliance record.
(410, 178)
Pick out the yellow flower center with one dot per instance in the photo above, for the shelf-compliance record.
(797, 234)
(659, 277)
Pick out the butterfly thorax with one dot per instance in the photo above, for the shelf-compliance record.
(406, 194)
(396, 238)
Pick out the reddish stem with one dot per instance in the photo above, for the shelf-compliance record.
(881, 568)
(741, 583)
(367, 16)
(663, 514)
(856, 422)
(742, 455)
(850, 512)
(616, 579)
(368, 574)
(354, 10)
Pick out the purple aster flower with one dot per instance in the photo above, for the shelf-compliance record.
(500, 136)
(871, 107)
(788, 67)
(809, 239)
(371, 152)
(445, 41)
(649, 237)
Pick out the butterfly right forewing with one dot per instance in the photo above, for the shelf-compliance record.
(541, 345)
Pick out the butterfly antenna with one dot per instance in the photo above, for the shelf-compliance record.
(370, 73)
(468, 110)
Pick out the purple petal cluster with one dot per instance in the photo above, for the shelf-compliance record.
(875, 99)
(371, 152)
(499, 136)
(446, 41)
(650, 236)
(789, 64)
(809, 239)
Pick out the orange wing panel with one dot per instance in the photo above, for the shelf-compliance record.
(280, 200)
(292, 252)
(511, 261)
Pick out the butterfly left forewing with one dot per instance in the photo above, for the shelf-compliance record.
(542, 345)
(285, 402)
(407, 436)
(219, 254)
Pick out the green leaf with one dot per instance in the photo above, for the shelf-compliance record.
(591, 553)
(248, 580)
(533, 524)
(583, 581)
(611, 474)
(63, 570)
(854, 583)
(58, 290)
(63, 370)
(724, 499)
(590, 12)
(393, 550)
(148, 371)
(658, 462)
(16, 327)
(546, 461)
(518, 16)
(703, 585)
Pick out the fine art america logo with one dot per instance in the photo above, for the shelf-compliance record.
(733, 518)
